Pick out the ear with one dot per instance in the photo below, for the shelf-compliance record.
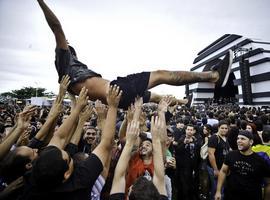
(251, 142)
(28, 166)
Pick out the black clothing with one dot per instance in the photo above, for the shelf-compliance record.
(222, 149)
(132, 86)
(187, 167)
(78, 186)
(245, 177)
(68, 64)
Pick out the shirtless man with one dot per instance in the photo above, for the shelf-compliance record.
(66, 63)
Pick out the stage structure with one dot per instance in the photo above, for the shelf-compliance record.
(249, 80)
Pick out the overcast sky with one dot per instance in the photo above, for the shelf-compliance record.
(119, 37)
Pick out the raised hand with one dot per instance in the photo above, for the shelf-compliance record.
(164, 103)
(113, 96)
(23, 139)
(158, 127)
(25, 116)
(133, 130)
(100, 109)
(82, 99)
(56, 108)
(130, 113)
(64, 85)
(85, 114)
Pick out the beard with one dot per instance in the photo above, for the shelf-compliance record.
(243, 148)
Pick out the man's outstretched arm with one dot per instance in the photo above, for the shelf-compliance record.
(102, 151)
(119, 179)
(55, 26)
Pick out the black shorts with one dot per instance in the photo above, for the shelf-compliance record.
(132, 86)
(67, 64)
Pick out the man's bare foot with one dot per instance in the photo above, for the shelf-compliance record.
(176, 101)
(214, 76)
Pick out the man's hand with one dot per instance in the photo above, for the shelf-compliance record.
(113, 96)
(101, 109)
(25, 116)
(158, 127)
(133, 131)
(218, 196)
(56, 108)
(164, 103)
(85, 114)
(64, 85)
(82, 99)
(130, 112)
(216, 172)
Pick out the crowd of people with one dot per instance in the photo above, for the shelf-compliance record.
(90, 150)
(117, 140)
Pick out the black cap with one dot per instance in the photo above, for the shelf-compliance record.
(247, 134)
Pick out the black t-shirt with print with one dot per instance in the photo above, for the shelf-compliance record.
(222, 149)
(246, 175)
(121, 196)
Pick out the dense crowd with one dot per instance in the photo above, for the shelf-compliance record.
(92, 137)
(130, 143)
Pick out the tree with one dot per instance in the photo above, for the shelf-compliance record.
(26, 93)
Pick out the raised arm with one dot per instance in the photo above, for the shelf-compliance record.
(158, 127)
(162, 109)
(84, 116)
(64, 132)
(119, 180)
(101, 112)
(103, 149)
(55, 25)
(55, 110)
(20, 127)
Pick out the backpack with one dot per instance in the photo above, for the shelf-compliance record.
(204, 149)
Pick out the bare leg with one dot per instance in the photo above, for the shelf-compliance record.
(178, 78)
(55, 26)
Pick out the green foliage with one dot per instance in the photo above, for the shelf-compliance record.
(27, 92)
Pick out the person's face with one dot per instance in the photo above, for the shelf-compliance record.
(8, 120)
(223, 129)
(146, 148)
(86, 125)
(243, 143)
(39, 125)
(32, 154)
(180, 125)
(249, 128)
(190, 131)
(169, 139)
(90, 136)
(205, 131)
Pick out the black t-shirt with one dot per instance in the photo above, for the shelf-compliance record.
(222, 149)
(121, 196)
(187, 155)
(246, 175)
(78, 186)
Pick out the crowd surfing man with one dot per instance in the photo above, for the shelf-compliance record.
(134, 85)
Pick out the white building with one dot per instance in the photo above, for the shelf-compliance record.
(249, 80)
